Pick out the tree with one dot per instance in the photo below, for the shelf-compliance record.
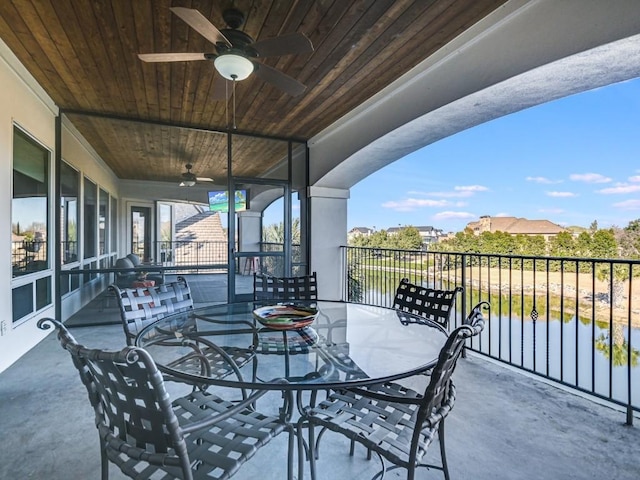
(629, 240)
(583, 244)
(534, 245)
(359, 241)
(562, 245)
(603, 244)
(274, 233)
(408, 238)
(379, 239)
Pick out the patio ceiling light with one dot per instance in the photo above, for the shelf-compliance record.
(233, 67)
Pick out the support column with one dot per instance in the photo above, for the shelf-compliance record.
(328, 233)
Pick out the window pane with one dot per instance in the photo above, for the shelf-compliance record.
(43, 292)
(90, 218)
(29, 206)
(166, 236)
(114, 225)
(22, 299)
(70, 189)
(103, 221)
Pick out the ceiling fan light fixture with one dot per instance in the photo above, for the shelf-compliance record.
(187, 183)
(233, 67)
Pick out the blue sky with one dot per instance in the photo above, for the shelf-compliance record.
(571, 161)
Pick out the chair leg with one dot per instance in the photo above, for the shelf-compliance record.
(443, 454)
(104, 462)
(312, 452)
(301, 451)
(290, 454)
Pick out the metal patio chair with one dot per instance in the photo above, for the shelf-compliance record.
(197, 436)
(397, 423)
(142, 306)
(429, 303)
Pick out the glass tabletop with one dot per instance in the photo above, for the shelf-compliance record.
(347, 344)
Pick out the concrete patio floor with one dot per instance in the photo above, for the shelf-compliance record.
(505, 425)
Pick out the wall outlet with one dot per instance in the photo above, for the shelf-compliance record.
(3, 327)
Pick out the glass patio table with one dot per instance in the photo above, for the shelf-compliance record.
(348, 344)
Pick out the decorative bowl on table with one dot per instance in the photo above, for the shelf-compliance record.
(285, 316)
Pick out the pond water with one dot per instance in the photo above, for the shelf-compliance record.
(579, 353)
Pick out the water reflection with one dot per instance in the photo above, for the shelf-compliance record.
(575, 350)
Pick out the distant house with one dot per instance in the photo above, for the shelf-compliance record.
(359, 231)
(429, 234)
(515, 226)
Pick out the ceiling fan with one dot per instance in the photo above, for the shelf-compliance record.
(189, 178)
(236, 52)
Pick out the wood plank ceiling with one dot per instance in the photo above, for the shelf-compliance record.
(84, 54)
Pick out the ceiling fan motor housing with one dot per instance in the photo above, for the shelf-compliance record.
(233, 17)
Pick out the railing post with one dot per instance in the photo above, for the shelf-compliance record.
(464, 295)
(463, 280)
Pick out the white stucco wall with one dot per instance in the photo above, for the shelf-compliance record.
(36, 116)
(25, 104)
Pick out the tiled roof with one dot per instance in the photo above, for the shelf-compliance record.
(514, 226)
(204, 240)
(204, 226)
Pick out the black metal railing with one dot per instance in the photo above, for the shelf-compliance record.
(575, 321)
(28, 256)
(212, 256)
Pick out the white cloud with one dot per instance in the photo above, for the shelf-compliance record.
(410, 204)
(635, 178)
(470, 188)
(561, 194)
(459, 192)
(589, 178)
(628, 205)
(544, 180)
(622, 188)
(464, 194)
(449, 215)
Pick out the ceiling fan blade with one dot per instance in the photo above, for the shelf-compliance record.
(289, 44)
(200, 24)
(281, 80)
(170, 57)
(204, 179)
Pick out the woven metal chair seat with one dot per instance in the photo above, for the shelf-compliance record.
(197, 436)
(213, 363)
(397, 423)
(216, 452)
(384, 425)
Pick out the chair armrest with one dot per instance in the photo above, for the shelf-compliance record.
(381, 394)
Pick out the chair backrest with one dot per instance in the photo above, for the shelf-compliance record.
(266, 287)
(440, 394)
(133, 410)
(135, 259)
(429, 303)
(141, 306)
(124, 262)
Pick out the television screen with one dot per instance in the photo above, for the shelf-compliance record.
(219, 201)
